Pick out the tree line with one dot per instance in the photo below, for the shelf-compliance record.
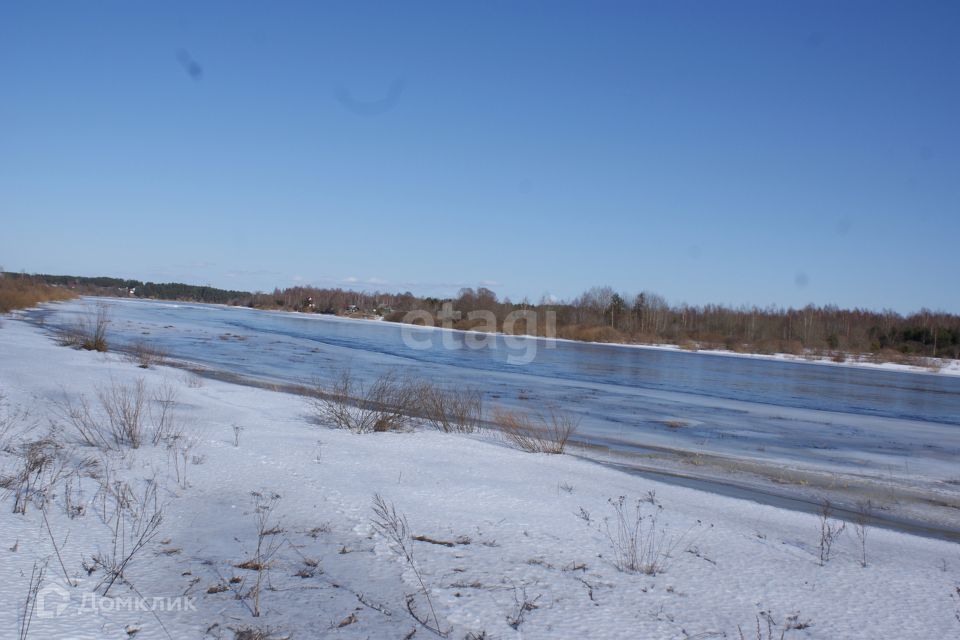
(602, 314)
(121, 287)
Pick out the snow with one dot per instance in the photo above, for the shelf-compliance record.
(519, 512)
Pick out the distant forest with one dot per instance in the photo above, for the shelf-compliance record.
(103, 286)
(605, 315)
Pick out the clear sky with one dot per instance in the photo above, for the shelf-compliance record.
(731, 152)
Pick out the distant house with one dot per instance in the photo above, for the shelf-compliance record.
(352, 308)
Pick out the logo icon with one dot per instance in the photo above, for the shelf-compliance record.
(52, 601)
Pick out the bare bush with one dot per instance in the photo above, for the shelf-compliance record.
(146, 356)
(451, 410)
(88, 333)
(13, 422)
(30, 602)
(830, 531)
(41, 467)
(136, 522)
(860, 528)
(768, 629)
(124, 407)
(384, 405)
(69, 337)
(268, 543)
(522, 605)
(163, 420)
(179, 447)
(83, 421)
(537, 433)
(123, 416)
(393, 526)
(639, 542)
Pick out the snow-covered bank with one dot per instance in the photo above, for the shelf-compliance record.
(522, 528)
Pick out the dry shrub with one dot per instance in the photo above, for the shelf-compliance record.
(165, 425)
(768, 631)
(14, 421)
(41, 467)
(537, 432)
(18, 292)
(590, 333)
(899, 357)
(136, 522)
(830, 530)
(638, 542)
(264, 507)
(146, 356)
(396, 316)
(452, 410)
(124, 407)
(348, 403)
(119, 418)
(471, 324)
(192, 380)
(87, 333)
(792, 347)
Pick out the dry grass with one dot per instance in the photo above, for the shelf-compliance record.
(537, 432)
(392, 525)
(18, 292)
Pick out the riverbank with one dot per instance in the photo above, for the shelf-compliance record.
(504, 543)
(778, 433)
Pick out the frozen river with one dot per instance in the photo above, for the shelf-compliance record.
(787, 430)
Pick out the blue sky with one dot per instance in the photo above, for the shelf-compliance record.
(729, 152)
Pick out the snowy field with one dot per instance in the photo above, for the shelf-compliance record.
(510, 544)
